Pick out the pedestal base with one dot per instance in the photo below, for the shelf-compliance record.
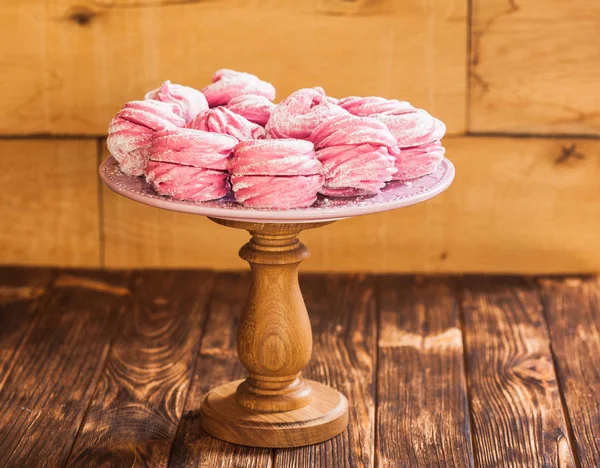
(324, 418)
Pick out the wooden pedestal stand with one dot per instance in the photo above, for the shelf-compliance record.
(274, 406)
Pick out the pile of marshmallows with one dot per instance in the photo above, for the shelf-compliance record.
(198, 145)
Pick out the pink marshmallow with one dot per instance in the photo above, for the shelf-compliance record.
(363, 168)
(418, 135)
(222, 120)
(300, 113)
(351, 130)
(276, 173)
(276, 192)
(357, 154)
(191, 147)
(282, 157)
(228, 84)
(130, 132)
(256, 109)
(191, 101)
(414, 128)
(373, 105)
(187, 183)
(418, 161)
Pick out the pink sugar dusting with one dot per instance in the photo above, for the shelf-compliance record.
(187, 183)
(222, 120)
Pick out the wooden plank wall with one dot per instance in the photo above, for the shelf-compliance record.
(516, 85)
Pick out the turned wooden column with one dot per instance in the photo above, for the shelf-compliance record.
(274, 336)
(274, 406)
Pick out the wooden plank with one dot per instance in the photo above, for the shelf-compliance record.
(78, 62)
(217, 364)
(535, 67)
(422, 407)
(135, 411)
(45, 396)
(49, 202)
(572, 309)
(343, 312)
(517, 205)
(515, 402)
(23, 293)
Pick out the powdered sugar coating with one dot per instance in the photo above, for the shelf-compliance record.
(130, 131)
(191, 101)
(191, 147)
(419, 161)
(351, 130)
(373, 105)
(222, 120)
(187, 183)
(281, 157)
(256, 109)
(365, 168)
(276, 192)
(152, 114)
(418, 135)
(300, 113)
(228, 84)
(357, 154)
(414, 128)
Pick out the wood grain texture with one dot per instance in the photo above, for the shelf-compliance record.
(514, 397)
(46, 394)
(23, 293)
(274, 335)
(342, 310)
(517, 417)
(274, 406)
(517, 205)
(217, 364)
(49, 202)
(572, 309)
(134, 413)
(422, 406)
(322, 419)
(535, 67)
(76, 63)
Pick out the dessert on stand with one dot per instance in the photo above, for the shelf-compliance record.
(229, 153)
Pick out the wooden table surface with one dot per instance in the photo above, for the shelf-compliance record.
(109, 369)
